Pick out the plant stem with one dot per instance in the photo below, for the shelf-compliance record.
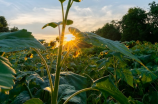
(58, 68)
(62, 62)
(31, 96)
(62, 10)
(83, 90)
(48, 72)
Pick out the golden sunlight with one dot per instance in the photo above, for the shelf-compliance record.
(69, 37)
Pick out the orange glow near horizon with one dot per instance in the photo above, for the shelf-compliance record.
(69, 37)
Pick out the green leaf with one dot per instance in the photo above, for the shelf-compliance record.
(65, 91)
(71, 82)
(132, 101)
(6, 74)
(52, 24)
(69, 22)
(55, 24)
(46, 92)
(21, 98)
(102, 62)
(76, 45)
(145, 75)
(153, 98)
(19, 40)
(150, 98)
(107, 87)
(97, 40)
(36, 79)
(126, 75)
(34, 101)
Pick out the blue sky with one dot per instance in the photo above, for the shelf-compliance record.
(87, 15)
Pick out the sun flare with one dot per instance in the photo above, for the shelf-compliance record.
(69, 37)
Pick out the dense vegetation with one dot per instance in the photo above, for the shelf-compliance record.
(88, 70)
(4, 25)
(137, 24)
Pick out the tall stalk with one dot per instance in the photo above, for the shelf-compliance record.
(48, 72)
(59, 59)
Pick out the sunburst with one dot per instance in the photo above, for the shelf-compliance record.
(69, 37)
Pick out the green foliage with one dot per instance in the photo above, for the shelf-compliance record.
(144, 75)
(126, 75)
(69, 84)
(34, 101)
(18, 40)
(134, 25)
(138, 24)
(6, 75)
(14, 29)
(107, 87)
(21, 98)
(137, 80)
(39, 87)
(109, 31)
(110, 66)
(150, 98)
(94, 39)
(3, 24)
(153, 22)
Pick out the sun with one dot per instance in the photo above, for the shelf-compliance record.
(69, 37)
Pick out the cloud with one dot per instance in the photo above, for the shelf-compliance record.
(83, 11)
(91, 18)
(2, 2)
(106, 8)
(85, 19)
(88, 19)
(38, 15)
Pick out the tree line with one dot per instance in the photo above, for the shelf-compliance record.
(4, 26)
(136, 24)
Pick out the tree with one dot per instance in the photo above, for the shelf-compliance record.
(109, 31)
(3, 24)
(14, 29)
(134, 25)
(153, 22)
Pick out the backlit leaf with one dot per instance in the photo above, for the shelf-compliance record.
(103, 42)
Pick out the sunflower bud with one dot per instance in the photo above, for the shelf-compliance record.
(77, 0)
(62, 1)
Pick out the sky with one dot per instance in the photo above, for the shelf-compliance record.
(88, 15)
